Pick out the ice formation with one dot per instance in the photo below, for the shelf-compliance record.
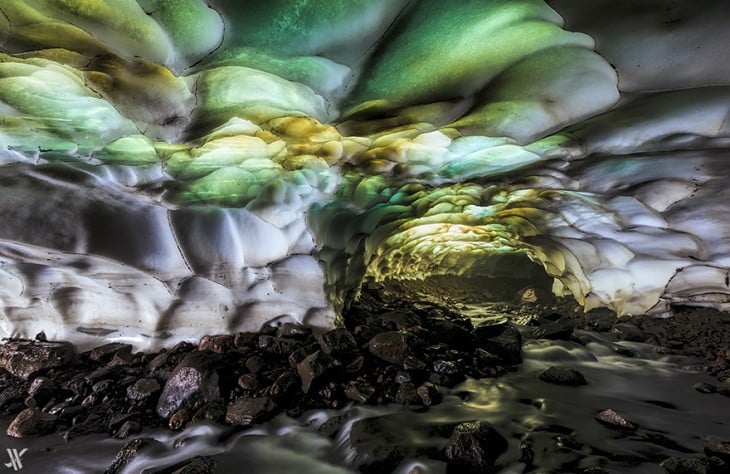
(172, 168)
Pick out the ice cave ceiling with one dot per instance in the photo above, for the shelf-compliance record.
(178, 167)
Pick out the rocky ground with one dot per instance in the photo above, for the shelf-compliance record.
(387, 352)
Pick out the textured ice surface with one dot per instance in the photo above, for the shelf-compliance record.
(175, 168)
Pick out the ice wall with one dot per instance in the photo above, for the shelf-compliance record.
(172, 168)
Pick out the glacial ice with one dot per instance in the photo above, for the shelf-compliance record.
(172, 169)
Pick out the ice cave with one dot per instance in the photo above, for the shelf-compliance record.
(462, 236)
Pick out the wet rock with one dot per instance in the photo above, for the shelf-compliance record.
(212, 411)
(127, 428)
(42, 389)
(248, 411)
(677, 465)
(332, 425)
(220, 343)
(12, 395)
(23, 358)
(557, 330)
(180, 418)
(704, 388)
(293, 331)
(429, 394)
(143, 388)
(628, 332)
(338, 341)
(562, 376)
(249, 382)
(360, 392)
(474, 448)
(406, 394)
(314, 368)
(196, 465)
(158, 362)
(719, 449)
(194, 379)
(245, 341)
(284, 385)
(615, 420)
(454, 334)
(375, 441)
(391, 346)
(397, 319)
(31, 421)
(255, 364)
(490, 328)
(131, 450)
(724, 388)
(278, 346)
(106, 352)
(299, 355)
(501, 339)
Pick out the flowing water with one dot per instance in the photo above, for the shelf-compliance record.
(652, 390)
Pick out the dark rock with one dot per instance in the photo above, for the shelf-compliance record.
(42, 389)
(332, 425)
(212, 411)
(278, 346)
(500, 339)
(719, 449)
(447, 367)
(255, 364)
(628, 332)
(121, 358)
(527, 452)
(705, 388)
(131, 450)
(724, 388)
(314, 368)
(196, 465)
(298, 355)
(158, 362)
(397, 319)
(338, 341)
(106, 352)
(360, 392)
(374, 440)
(23, 358)
(103, 386)
(677, 465)
(12, 394)
(194, 379)
(414, 363)
(284, 385)
(143, 388)
(429, 394)
(220, 343)
(248, 382)
(129, 427)
(454, 334)
(293, 331)
(490, 328)
(248, 411)
(473, 448)
(180, 418)
(557, 330)
(406, 394)
(245, 341)
(31, 421)
(562, 376)
(391, 346)
(615, 420)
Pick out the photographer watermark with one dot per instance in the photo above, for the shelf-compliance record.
(16, 463)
